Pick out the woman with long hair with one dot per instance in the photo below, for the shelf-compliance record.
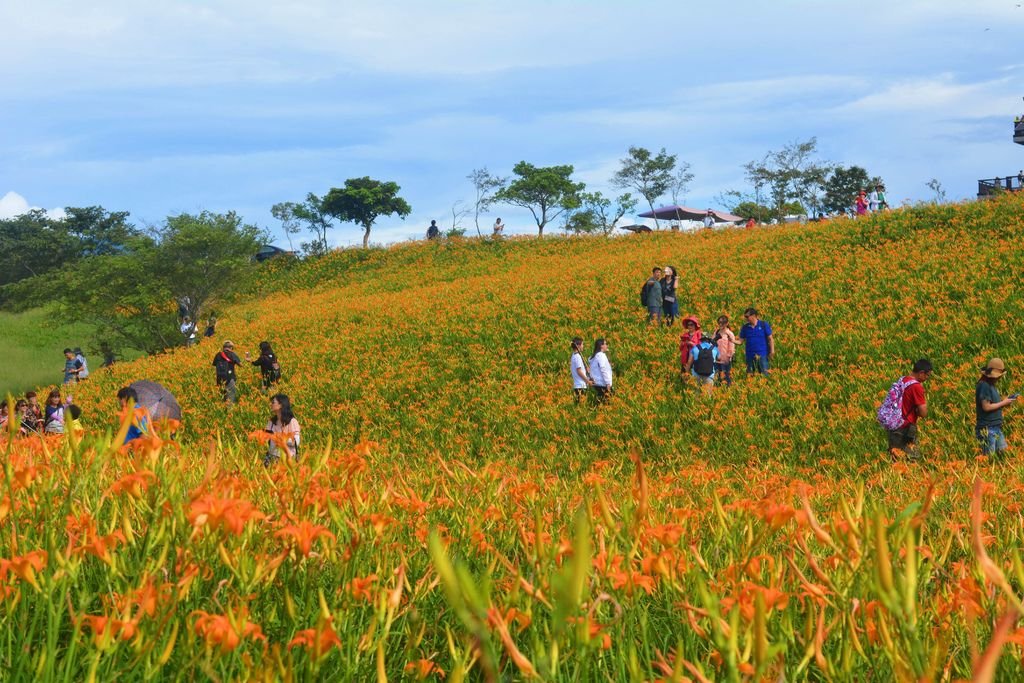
(601, 370)
(269, 367)
(581, 380)
(54, 420)
(283, 428)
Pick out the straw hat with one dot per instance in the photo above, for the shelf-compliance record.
(995, 368)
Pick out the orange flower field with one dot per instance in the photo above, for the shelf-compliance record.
(454, 516)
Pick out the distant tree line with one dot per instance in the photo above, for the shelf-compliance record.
(138, 285)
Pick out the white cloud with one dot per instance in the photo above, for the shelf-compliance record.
(13, 204)
(941, 95)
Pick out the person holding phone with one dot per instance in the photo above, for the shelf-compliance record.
(988, 405)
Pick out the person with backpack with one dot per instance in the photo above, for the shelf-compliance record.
(668, 295)
(756, 334)
(988, 408)
(270, 369)
(284, 430)
(225, 363)
(581, 380)
(652, 297)
(903, 406)
(601, 371)
(703, 359)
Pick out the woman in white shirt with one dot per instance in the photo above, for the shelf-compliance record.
(578, 368)
(601, 370)
(284, 428)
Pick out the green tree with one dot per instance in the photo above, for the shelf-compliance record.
(650, 175)
(34, 244)
(842, 187)
(310, 213)
(363, 200)
(546, 191)
(485, 186)
(133, 296)
(790, 174)
(598, 213)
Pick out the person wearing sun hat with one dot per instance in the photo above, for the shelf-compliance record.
(988, 404)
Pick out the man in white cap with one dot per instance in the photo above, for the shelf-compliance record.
(988, 404)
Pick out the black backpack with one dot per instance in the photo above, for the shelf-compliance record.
(225, 369)
(704, 365)
(274, 373)
(643, 293)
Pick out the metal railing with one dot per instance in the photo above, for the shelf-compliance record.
(990, 186)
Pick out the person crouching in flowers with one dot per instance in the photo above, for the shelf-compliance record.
(601, 371)
(283, 429)
(581, 380)
(128, 399)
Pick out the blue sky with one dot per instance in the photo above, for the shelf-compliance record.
(158, 108)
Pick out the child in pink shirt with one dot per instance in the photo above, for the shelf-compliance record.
(726, 340)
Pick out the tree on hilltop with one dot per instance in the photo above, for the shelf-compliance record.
(310, 213)
(842, 187)
(133, 296)
(790, 174)
(546, 191)
(597, 213)
(486, 186)
(651, 175)
(363, 200)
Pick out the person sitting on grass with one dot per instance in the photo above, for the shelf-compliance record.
(988, 407)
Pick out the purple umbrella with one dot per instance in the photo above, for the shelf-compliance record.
(160, 403)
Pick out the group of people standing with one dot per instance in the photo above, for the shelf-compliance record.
(871, 202)
(707, 356)
(55, 417)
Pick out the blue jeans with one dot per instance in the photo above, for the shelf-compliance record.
(757, 364)
(991, 439)
(724, 370)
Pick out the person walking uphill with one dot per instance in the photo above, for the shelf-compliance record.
(653, 297)
(988, 406)
(758, 341)
(225, 362)
(581, 380)
(903, 406)
(601, 371)
(269, 367)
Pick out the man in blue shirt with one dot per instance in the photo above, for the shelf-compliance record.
(72, 366)
(757, 339)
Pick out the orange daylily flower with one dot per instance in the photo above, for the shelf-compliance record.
(230, 514)
(319, 641)
(303, 534)
(227, 631)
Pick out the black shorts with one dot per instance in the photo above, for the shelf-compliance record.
(902, 437)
